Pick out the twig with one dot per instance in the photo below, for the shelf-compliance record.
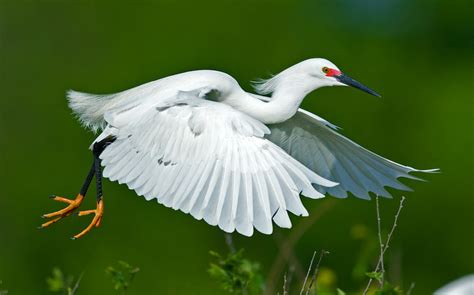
(412, 286)
(307, 274)
(76, 285)
(316, 271)
(286, 248)
(229, 242)
(285, 292)
(395, 224)
(290, 278)
(379, 230)
(389, 237)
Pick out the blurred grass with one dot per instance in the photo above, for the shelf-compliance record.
(417, 54)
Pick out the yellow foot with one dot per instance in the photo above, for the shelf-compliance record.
(98, 213)
(73, 205)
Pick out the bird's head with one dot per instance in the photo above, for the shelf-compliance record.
(307, 76)
(322, 72)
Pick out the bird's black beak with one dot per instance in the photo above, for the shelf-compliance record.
(351, 82)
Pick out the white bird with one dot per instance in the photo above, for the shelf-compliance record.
(461, 286)
(198, 142)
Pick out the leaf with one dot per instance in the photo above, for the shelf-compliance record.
(375, 275)
(340, 292)
(56, 282)
(60, 283)
(389, 289)
(122, 275)
(235, 274)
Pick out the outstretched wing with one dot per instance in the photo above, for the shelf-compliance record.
(314, 142)
(207, 159)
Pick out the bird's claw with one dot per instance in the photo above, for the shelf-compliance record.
(72, 205)
(96, 221)
(70, 208)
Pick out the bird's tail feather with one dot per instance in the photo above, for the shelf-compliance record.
(89, 108)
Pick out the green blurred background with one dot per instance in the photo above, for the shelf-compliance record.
(418, 54)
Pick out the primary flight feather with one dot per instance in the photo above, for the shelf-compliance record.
(198, 142)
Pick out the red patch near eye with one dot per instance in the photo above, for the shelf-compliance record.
(332, 72)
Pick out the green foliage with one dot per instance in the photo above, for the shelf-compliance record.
(122, 275)
(59, 283)
(389, 289)
(375, 275)
(236, 274)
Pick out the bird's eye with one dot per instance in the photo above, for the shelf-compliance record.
(325, 70)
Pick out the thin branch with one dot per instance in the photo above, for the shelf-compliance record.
(412, 286)
(395, 224)
(316, 271)
(285, 292)
(76, 286)
(307, 274)
(389, 237)
(229, 242)
(379, 230)
(290, 278)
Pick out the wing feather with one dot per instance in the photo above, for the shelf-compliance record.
(207, 159)
(315, 143)
(242, 218)
(261, 219)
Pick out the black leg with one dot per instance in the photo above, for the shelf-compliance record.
(98, 178)
(98, 148)
(88, 180)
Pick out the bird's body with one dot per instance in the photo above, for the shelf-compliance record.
(92, 108)
(199, 143)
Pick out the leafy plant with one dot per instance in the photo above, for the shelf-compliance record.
(314, 277)
(122, 275)
(236, 274)
(389, 289)
(373, 243)
(379, 273)
(59, 283)
(375, 275)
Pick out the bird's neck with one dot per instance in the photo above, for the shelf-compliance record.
(283, 104)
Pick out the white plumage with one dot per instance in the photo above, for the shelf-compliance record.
(199, 143)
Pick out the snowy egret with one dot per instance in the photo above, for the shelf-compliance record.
(198, 142)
